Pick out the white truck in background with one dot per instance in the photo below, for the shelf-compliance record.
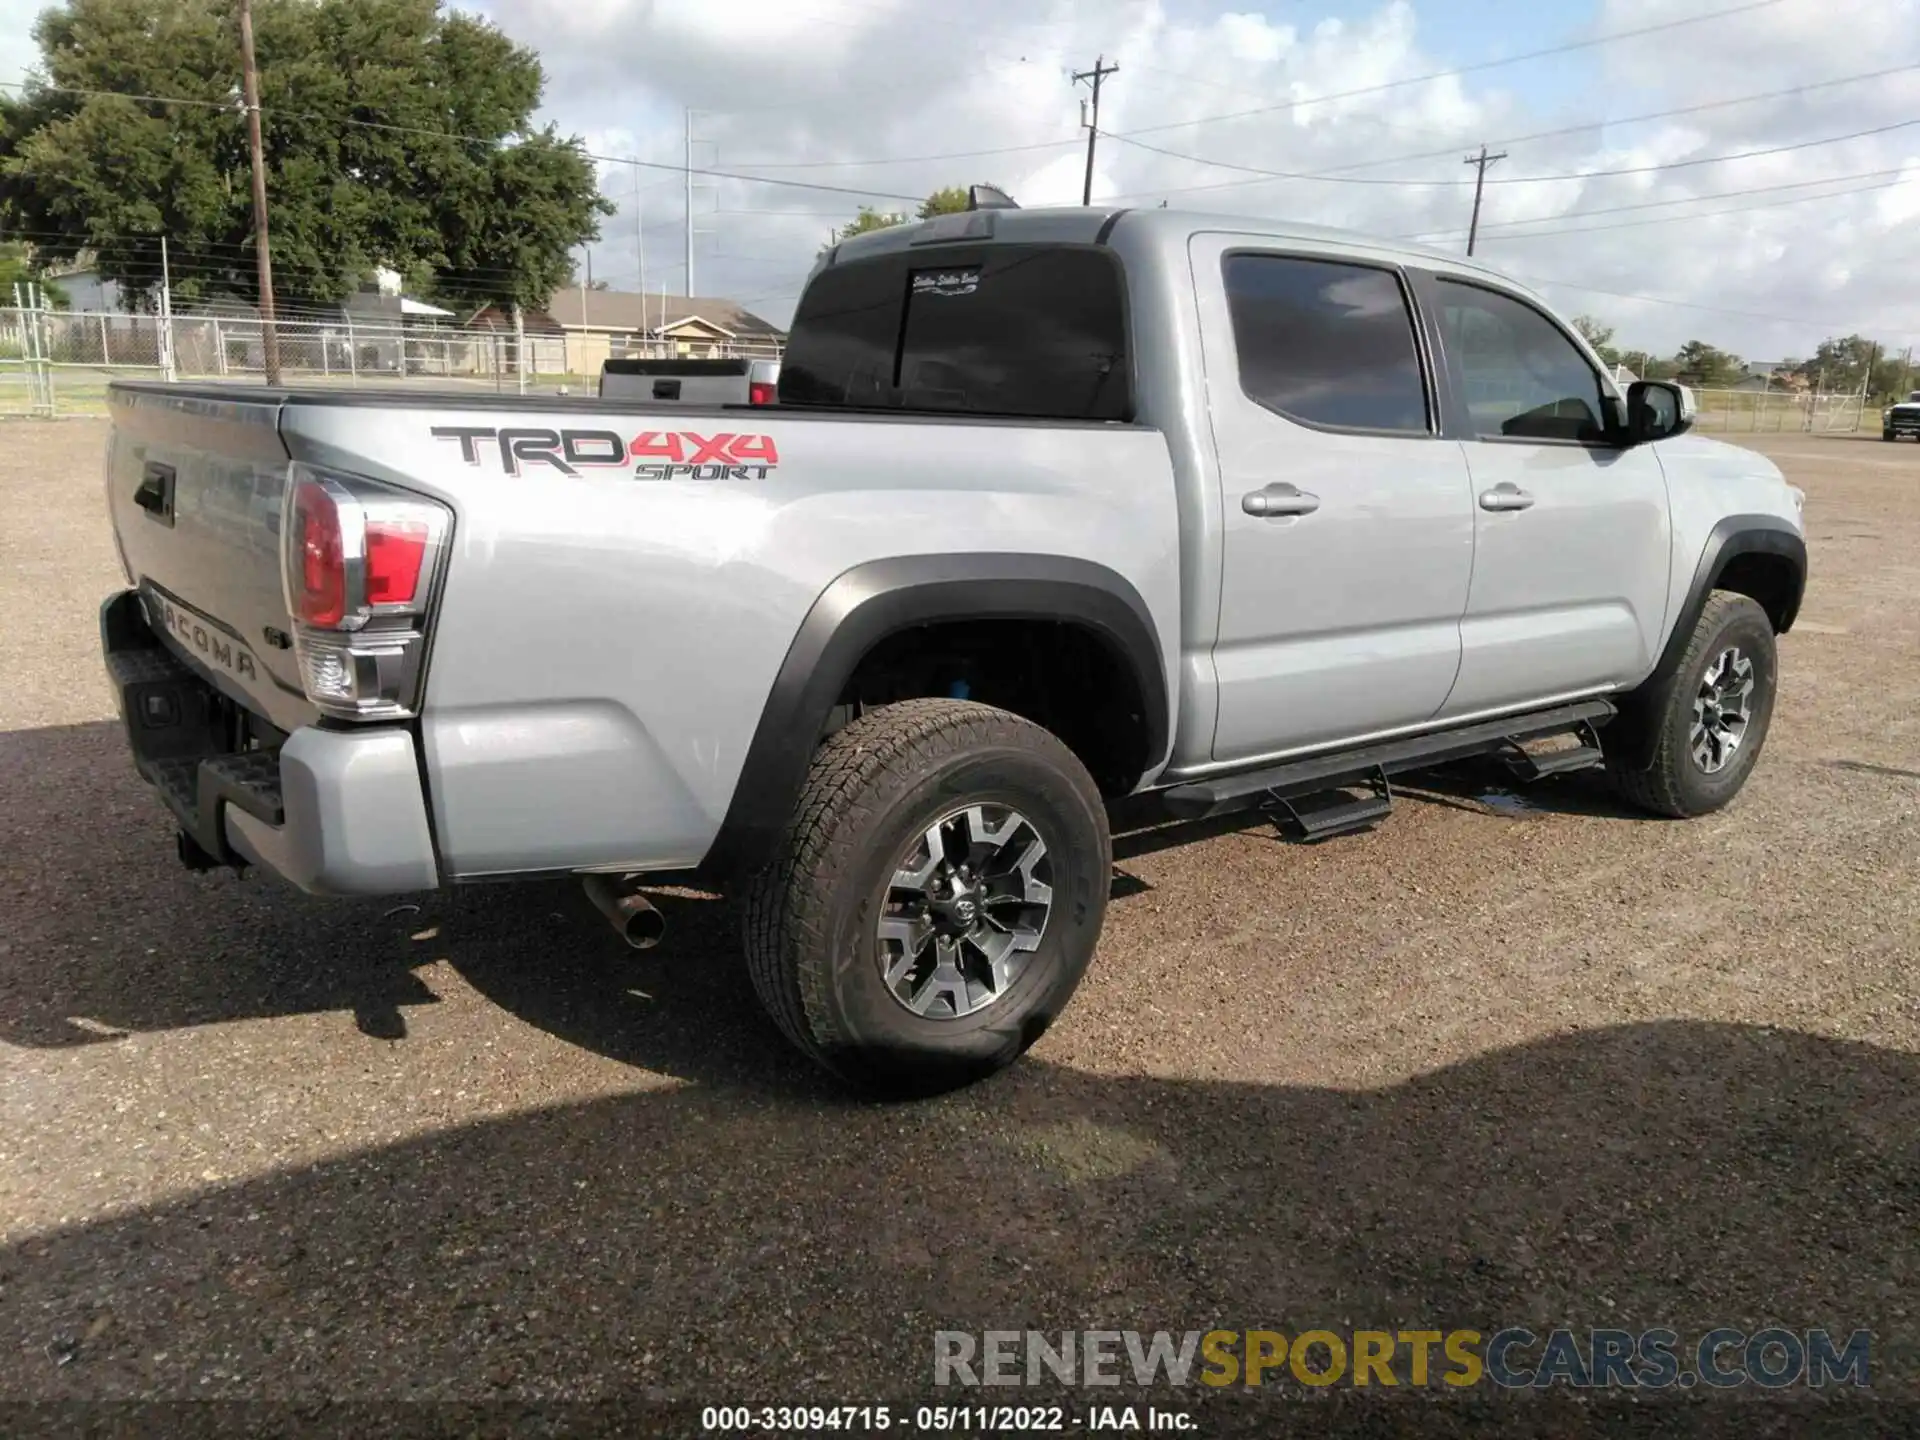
(1901, 418)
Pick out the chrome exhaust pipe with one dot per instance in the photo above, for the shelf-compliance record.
(628, 911)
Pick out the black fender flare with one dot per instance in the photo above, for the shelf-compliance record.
(1735, 536)
(870, 602)
(1732, 537)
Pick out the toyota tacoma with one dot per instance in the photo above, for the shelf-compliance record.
(1052, 508)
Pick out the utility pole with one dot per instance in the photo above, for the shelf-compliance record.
(689, 174)
(1482, 161)
(1092, 78)
(250, 80)
(639, 249)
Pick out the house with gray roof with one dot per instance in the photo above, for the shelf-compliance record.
(598, 325)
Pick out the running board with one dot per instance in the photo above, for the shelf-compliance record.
(1198, 799)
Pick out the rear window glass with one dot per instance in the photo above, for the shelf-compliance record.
(1326, 342)
(1018, 330)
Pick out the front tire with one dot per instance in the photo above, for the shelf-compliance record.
(934, 901)
(1684, 746)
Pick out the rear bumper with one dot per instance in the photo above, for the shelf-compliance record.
(335, 812)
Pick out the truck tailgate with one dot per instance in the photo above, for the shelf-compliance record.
(195, 483)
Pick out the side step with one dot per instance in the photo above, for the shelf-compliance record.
(1538, 764)
(1327, 813)
(1312, 774)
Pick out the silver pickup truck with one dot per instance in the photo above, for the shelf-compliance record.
(1055, 507)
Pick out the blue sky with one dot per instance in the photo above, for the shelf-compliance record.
(1466, 32)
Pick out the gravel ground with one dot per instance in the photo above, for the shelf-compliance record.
(1504, 1061)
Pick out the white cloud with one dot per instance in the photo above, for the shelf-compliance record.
(18, 53)
(786, 84)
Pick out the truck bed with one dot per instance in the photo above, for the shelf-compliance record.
(601, 556)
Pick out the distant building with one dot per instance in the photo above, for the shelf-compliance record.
(598, 325)
(86, 288)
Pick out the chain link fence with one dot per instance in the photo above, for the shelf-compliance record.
(1779, 412)
(60, 362)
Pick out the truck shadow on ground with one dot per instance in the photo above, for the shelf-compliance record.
(109, 935)
(755, 1234)
(112, 936)
(705, 1244)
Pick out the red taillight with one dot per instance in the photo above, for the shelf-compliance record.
(321, 596)
(759, 392)
(359, 564)
(396, 550)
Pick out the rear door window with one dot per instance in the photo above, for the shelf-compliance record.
(1326, 342)
(1020, 330)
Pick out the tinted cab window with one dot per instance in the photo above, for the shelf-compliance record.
(1325, 342)
(1022, 330)
(1524, 378)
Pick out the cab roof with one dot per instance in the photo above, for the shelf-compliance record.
(1083, 225)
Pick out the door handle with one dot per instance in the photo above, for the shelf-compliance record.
(1505, 496)
(1279, 498)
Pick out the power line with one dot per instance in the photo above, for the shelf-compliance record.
(1679, 304)
(1332, 171)
(480, 140)
(1392, 183)
(1387, 85)
(1659, 204)
(1332, 175)
(1709, 159)
(1708, 214)
(1607, 122)
(907, 159)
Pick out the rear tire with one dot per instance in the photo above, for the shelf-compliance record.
(1684, 746)
(883, 984)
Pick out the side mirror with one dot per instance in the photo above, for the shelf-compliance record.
(1658, 410)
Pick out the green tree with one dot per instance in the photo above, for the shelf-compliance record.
(18, 267)
(1698, 363)
(869, 219)
(951, 200)
(1599, 336)
(444, 175)
(1841, 363)
(1892, 375)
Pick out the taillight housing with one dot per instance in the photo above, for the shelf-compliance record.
(360, 562)
(762, 392)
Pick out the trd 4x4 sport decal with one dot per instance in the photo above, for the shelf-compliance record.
(654, 454)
